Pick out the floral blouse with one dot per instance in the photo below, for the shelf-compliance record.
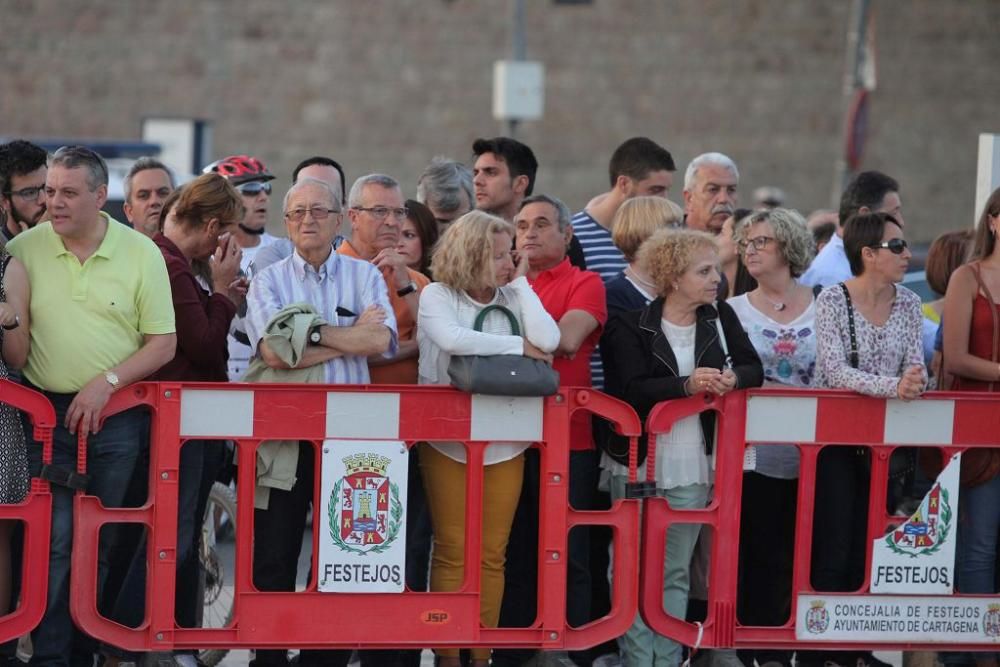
(884, 352)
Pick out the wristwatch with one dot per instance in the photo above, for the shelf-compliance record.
(112, 379)
(409, 288)
(315, 335)
(11, 327)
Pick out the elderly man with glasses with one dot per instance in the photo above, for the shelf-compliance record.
(22, 184)
(377, 212)
(351, 297)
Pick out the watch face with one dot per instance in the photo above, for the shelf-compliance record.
(314, 337)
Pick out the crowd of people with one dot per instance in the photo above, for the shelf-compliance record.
(634, 295)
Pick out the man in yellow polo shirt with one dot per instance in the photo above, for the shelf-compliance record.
(101, 319)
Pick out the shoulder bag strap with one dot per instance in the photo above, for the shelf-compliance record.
(3, 271)
(515, 328)
(850, 326)
(722, 337)
(993, 313)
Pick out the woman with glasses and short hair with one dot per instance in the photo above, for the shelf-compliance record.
(869, 340)
(779, 316)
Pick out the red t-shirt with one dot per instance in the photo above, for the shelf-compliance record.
(561, 289)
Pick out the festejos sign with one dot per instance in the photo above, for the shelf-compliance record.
(362, 536)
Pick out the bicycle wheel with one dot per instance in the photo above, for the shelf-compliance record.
(217, 548)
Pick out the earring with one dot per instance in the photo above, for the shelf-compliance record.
(675, 287)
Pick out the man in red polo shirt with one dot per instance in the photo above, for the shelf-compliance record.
(576, 300)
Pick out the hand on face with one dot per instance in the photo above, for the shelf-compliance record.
(390, 262)
(226, 260)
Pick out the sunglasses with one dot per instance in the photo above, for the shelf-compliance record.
(895, 246)
(254, 188)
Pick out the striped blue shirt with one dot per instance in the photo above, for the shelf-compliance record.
(599, 251)
(602, 257)
(342, 284)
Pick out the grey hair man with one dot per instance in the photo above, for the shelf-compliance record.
(147, 185)
(710, 191)
(445, 188)
(105, 324)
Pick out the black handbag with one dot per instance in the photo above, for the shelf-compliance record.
(502, 374)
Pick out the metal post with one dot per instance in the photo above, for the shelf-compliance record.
(517, 49)
(857, 27)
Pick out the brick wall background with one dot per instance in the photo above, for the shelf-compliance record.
(385, 84)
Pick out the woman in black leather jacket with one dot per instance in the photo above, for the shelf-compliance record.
(684, 343)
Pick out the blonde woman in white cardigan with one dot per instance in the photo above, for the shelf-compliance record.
(474, 268)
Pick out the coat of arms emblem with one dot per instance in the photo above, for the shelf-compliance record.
(817, 618)
(365, 509)
(991, 621)
(925, 531)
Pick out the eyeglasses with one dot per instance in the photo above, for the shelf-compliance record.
(380, 213)
(254, 188)
(29, 194)
(895, 246)
(757, 243)
(317, 212)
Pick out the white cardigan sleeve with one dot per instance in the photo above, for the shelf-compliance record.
(439, 321)
(539, 328)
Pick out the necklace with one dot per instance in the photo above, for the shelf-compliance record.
(778, 306)
(645, 283)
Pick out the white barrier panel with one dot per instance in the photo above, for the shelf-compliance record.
(362, 534)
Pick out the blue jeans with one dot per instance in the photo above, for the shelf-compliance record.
(111, 458)
(640, 646)
(978, 523)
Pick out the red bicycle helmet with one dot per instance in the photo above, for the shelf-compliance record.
(240, 169)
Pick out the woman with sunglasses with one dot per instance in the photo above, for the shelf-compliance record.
(779, 316)
(869, 340)
(971, 353)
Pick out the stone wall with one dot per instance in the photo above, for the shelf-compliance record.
(385, 84)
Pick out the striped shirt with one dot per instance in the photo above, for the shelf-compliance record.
(603, 257)
(599, 251)
(340, 291)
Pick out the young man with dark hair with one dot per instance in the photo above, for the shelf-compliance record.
(22, 187)
(639, 168)
(868, 192)
(503, 175)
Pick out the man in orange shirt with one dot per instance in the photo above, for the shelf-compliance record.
(376, 210)
(377, 213)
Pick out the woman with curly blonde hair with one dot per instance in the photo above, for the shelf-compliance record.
(474, 269)
(683, 343)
